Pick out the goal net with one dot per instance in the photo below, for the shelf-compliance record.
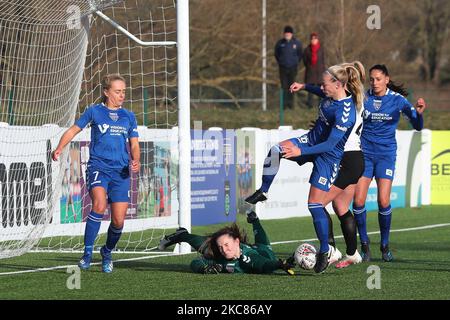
(53, 57)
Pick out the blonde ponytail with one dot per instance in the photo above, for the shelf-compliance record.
(355, 81)
(351, 75)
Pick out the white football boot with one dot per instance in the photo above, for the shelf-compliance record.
(335, 255)
(349, 260)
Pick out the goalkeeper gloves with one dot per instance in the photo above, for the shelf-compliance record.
(212, 268)
(287, 265)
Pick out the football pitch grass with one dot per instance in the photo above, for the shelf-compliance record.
(421, 269)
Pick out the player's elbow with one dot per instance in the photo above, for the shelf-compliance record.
(194, 266)
(330, 145)
(197, 266)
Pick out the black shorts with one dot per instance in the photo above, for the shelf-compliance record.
(351, 169)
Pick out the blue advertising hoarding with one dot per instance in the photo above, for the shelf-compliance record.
(213, 177)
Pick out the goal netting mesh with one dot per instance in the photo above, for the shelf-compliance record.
(53, 55)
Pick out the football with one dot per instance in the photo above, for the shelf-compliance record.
(305, 256)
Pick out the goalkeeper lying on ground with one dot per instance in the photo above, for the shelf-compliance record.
(227, 250)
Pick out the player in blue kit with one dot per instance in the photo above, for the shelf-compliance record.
(382, 108)
(323, 145)
(342, 191)
(108, 169)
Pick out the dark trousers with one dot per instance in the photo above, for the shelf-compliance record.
(287, 77)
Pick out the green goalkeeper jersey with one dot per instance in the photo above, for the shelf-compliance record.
(258, 258)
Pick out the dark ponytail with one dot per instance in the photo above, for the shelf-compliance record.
(399, 88)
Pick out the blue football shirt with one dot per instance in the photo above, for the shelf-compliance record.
(381, 116)
(110, 131)
(333, 126)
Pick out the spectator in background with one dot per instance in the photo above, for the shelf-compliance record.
(314, 61)
(288, 52)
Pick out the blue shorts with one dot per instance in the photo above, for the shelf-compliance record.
(115, 182)
(379, 166)
(325, 168)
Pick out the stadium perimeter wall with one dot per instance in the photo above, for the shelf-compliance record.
(227, 167)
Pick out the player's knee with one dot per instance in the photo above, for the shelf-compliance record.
(275, 150)
(358, 202)
(384, 203)
(117, 222)
(99, 206)
(339, 208)
(272, 161)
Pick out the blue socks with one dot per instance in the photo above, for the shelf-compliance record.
(384, 219)
(113, 237)
(360, 214)
(93, 223)
(90, 233)
(271, 167)
(320, 221)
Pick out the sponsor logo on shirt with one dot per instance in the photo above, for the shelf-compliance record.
(114, 116)
(113, 130)
(230, 267)
(377, 104)
(380, 117)
(117, 130)
(325, 103)
(103, 127)
(341, 128)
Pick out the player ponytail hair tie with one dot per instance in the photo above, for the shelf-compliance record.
(333, 76)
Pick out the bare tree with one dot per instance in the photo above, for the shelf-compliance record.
(433, 32)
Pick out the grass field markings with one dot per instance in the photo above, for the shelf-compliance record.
(432, 226)
(148, 251)
(168, 255)
(74, 265)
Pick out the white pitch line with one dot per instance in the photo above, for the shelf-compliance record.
(168, 255)
(148, 251)
(432, 226)
(73, 265)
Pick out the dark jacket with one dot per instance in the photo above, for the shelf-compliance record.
(288, 53)
(313, 74)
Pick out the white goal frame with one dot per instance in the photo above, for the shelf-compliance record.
(184, 133)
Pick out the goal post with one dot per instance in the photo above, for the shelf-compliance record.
(53, 55)
(183, 83)
(184, 99)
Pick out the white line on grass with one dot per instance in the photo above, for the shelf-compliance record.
(74, 265)
(167, 255)
(373, 232)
